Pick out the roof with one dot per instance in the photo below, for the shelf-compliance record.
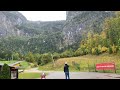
(12, 65)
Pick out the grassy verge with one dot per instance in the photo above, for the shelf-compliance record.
(85, 63)
(8, 62)
(33, 75)
(25, 65)
(29, 75)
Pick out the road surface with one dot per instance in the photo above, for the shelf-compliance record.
(83, 75)
(77, 75)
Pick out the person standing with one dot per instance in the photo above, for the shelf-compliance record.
(66, 70)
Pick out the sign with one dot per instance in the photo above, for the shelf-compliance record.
(105, 66)
(13, 74)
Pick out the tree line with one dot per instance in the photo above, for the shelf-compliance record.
(44, 49)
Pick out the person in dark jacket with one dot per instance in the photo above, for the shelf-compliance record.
(66, 70)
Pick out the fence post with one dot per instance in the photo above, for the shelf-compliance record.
(88, 66)
(114, 68)
(103, 68)
(80, 64)
(95, 67)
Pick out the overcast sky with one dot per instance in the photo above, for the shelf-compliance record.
(44, 15)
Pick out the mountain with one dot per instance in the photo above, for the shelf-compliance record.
(17, 34)
(8, 21)
(78, 23)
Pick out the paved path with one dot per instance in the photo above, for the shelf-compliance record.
(76, 75)
(36, 70)
(83, 75)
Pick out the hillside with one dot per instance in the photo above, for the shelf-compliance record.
(82, 63)
(17, 34)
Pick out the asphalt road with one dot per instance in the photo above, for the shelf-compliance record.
(76, 75)
(83, 75)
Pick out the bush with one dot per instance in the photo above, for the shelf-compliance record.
(32, 65)
(110, 50)
(87, 51)
(98, 51)
(39, 60)
(114, 49)
(5, 73)
(104, 49)
(56, 56)
(46, 58)
(95, 51)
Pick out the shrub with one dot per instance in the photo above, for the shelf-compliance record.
(46, 58)
(114, 49)
(56, 56)
(5, 73)
(110, 50)
(95, 51)
(104, 49)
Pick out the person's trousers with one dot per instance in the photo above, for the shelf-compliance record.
(67, 75)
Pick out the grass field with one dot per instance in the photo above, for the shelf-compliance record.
(8, 62)
(29, 75)
(83, 62)
(25, 64)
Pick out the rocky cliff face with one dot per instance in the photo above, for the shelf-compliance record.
(79, 23)
(8, 21)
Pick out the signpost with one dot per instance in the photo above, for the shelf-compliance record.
(106, 66)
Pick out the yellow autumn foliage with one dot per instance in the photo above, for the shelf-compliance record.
(93, 50)
(104, 49)
(114, 49)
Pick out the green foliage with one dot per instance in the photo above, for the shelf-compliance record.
(46, 58)
(39, 60)
(36, 56)
(32, 65)
(5, 73)
(29, 75)
(67, 53)
(15, 56)
(39, 39)
(30, 57)
(106, 41)
(104, 49)
(56, 56)
(110, 50)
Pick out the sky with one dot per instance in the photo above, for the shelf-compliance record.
(44, 15)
